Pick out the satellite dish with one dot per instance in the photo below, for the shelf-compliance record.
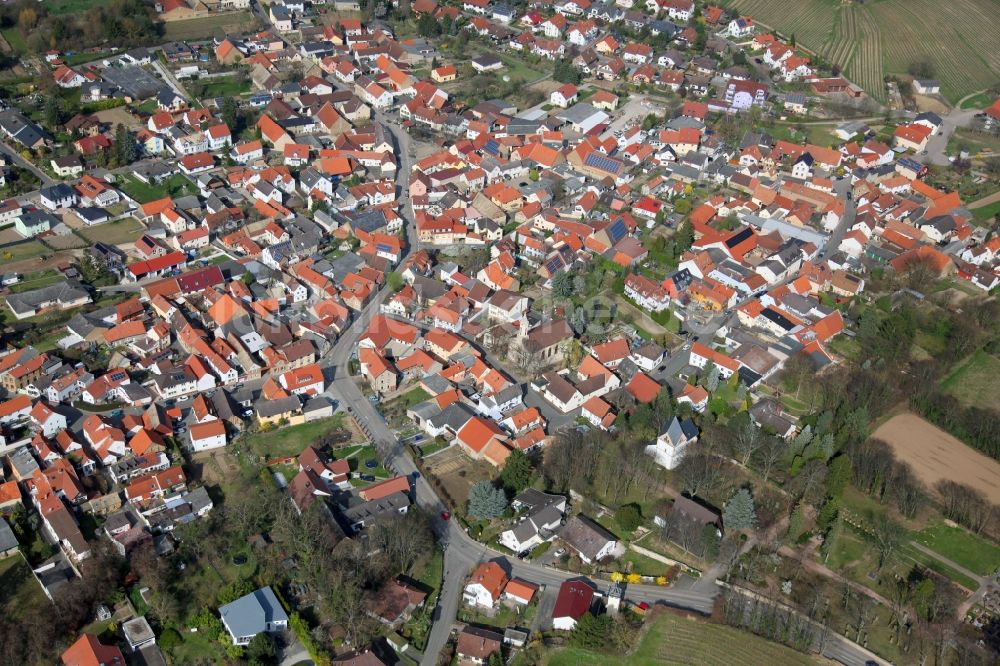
(506, 78)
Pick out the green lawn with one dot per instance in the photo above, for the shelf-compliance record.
(974, 382)
(980, 101)
(22, 251)
(36, 281)
(672, 639)
(224, 86)
(519, 69)
(291, 440)
(987, 212)
(433, 446)
(413, 397)
(910, 554)
(19, 590)
(177, 185)
(80, 58)
(361, 456)
(15, 39)
(126, 230)
(56, 7)
(644, 566)
(962, 547)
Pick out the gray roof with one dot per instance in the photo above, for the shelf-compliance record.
(374, 510)
(693, 511)
(62, 292)
(578, 113)
(678, 431)
(7, 539)
(269, 408)
(454, 416)
(199, 499)
(585, 536)
(251, 615)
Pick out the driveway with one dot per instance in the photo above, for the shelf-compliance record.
(937, 145)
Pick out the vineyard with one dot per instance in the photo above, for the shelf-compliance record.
(869, 40)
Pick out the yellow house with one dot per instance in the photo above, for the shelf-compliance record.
(444, 74)
(273, 412)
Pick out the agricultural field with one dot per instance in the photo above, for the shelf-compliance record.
(676, 639)
(207, 26)
(936, 455)
(871, 40)
(973, 382)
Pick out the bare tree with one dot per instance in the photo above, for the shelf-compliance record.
(907, 489)
(769, 455)
(887, 536)
(683, 531)
(746, 441)
(700, 472)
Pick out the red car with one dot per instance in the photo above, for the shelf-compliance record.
(445, 515)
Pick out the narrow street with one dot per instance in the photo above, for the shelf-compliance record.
(14, 156)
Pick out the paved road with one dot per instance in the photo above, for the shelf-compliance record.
(937, 145)
(14, 156)
(171, 80)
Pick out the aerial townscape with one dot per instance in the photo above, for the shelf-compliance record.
(485, 332)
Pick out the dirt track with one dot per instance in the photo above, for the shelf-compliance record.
(936, 455)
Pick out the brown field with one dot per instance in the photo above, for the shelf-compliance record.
(457, 472)
(936, 455)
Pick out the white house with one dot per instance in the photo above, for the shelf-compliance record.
(673, 442)
(485, 586)
(208, 435)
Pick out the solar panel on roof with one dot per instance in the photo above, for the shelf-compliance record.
(617, 230)
(492, 147)
(739, 238)
(382, 247)
(554, 264)
(603, 162)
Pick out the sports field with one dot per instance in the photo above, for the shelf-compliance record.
(871, 40)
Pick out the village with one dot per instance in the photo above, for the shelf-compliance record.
(466, 331)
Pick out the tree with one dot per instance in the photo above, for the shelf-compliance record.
(261, 648)
(700, 472)
(517, 472)
(562, 284)
(628, 517)
(231, 115)
(591, 631)
(126, 147)
(748, 438)
(394, 281)
(485, 501)
(921, 69)
(886, 536)
(839, 476)
(796, 522)
(739, 513)
(712, 383)
(710, 542)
